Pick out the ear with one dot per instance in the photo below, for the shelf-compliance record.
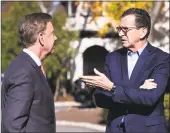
(143, 33)
(41, 39)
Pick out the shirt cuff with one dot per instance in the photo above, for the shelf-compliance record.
(113, 89)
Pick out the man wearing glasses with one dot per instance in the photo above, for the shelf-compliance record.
(136, 79)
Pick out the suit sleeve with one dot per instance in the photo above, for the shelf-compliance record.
(19, 98)
(143, 96)
(103, 98)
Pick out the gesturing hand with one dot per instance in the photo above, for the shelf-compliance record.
(100, 81)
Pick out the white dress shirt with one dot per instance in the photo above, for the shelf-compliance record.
(33, 56)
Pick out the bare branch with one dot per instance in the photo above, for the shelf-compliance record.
(55, 4)
(42, 7)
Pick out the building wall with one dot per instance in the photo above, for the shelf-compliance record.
(160, 37)
(109, 44)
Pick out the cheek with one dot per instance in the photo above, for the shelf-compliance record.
(134, 38)
(50, 40)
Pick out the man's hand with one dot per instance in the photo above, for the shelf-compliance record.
(149, 84)
(100, 81)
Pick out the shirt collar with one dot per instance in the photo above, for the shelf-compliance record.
(33, 56)
(139, 51)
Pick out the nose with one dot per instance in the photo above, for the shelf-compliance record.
(121, 33)
(55, 38)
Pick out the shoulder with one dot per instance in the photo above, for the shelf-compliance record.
(19, 67)
(117, 53)
(160, 54)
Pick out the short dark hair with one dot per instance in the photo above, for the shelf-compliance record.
(31, 25)
(142, 18)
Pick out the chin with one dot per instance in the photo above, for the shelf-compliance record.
(52, 50)
(49, 53)
(126, 45)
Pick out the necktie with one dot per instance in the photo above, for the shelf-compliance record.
(43, 71)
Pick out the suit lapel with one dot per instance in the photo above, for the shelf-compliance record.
(39, 72)
(44, 81)
(124, 67)
(140, 63)
(26, 56)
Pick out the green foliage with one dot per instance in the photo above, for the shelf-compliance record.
(167, 105)
(10, 19)
(114, 10)
(58, 63)
(104, 114)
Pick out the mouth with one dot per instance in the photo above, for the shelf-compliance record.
(123, 40)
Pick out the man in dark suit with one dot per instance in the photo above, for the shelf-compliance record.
(26, 100)
(136, 78)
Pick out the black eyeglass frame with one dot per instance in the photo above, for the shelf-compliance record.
(126, 29)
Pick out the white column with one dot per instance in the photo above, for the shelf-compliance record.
(78, 66)
(69, 8)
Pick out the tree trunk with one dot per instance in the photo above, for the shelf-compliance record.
(42, 6)
(154, 15)
(57, 89)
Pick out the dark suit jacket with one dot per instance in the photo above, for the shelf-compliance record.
(26, 99)
(142, 109)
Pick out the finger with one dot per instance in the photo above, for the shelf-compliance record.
(89, 81)
(141, 87)
(86, 77)
(90, 77)
(154, 84)
(151, 84)
(98, 84)
(149, 87)
(97, 72)
(149, 80)
(90, 85)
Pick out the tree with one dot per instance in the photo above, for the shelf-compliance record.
(10, 17)
(113, 11)
(60, 60)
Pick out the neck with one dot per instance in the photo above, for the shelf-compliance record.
(137, 46)
(37, 51)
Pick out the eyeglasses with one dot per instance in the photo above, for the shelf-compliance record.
(126, 29)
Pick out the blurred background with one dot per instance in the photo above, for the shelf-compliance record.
(86, 34)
